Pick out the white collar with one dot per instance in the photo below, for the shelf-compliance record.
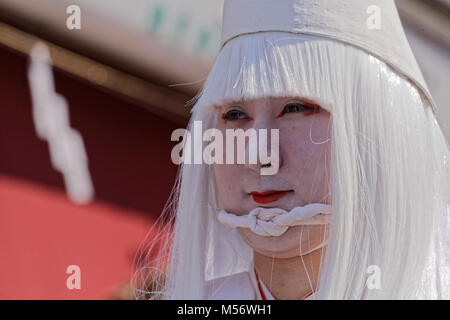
(264, 288)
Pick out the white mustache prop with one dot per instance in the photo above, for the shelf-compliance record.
(275, 221)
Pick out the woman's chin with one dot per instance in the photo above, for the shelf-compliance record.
(295, 242)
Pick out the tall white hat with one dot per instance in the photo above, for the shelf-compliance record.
(351, 21)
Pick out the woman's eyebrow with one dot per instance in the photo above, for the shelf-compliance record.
(236, 102)
(232, 104)
(298, 98)
(304, 100)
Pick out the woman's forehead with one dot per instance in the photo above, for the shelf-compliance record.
(268, 99)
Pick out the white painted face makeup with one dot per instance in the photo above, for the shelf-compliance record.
(302, 178)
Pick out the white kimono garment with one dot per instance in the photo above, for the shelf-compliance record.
(239, 286)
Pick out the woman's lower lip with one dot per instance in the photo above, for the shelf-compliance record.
(269, 198)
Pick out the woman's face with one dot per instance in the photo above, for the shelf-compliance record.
(304, 149)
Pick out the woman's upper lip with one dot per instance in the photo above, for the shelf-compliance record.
(267, 192)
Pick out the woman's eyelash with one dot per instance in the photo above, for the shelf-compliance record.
(235, 114)
(299, 107)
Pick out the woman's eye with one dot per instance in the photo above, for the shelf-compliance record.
(234, 115)
(298, 107)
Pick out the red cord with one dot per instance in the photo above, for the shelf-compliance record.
(259, 287)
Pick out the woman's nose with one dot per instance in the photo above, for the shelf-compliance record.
(266, 151)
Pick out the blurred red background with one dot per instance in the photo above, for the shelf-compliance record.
(42, 232)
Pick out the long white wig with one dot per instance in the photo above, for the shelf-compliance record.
(390, 175)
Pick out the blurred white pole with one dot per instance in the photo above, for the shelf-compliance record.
(51, 120)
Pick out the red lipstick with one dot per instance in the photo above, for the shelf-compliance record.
(268, 196)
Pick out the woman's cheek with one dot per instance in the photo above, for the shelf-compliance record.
(228, 182)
